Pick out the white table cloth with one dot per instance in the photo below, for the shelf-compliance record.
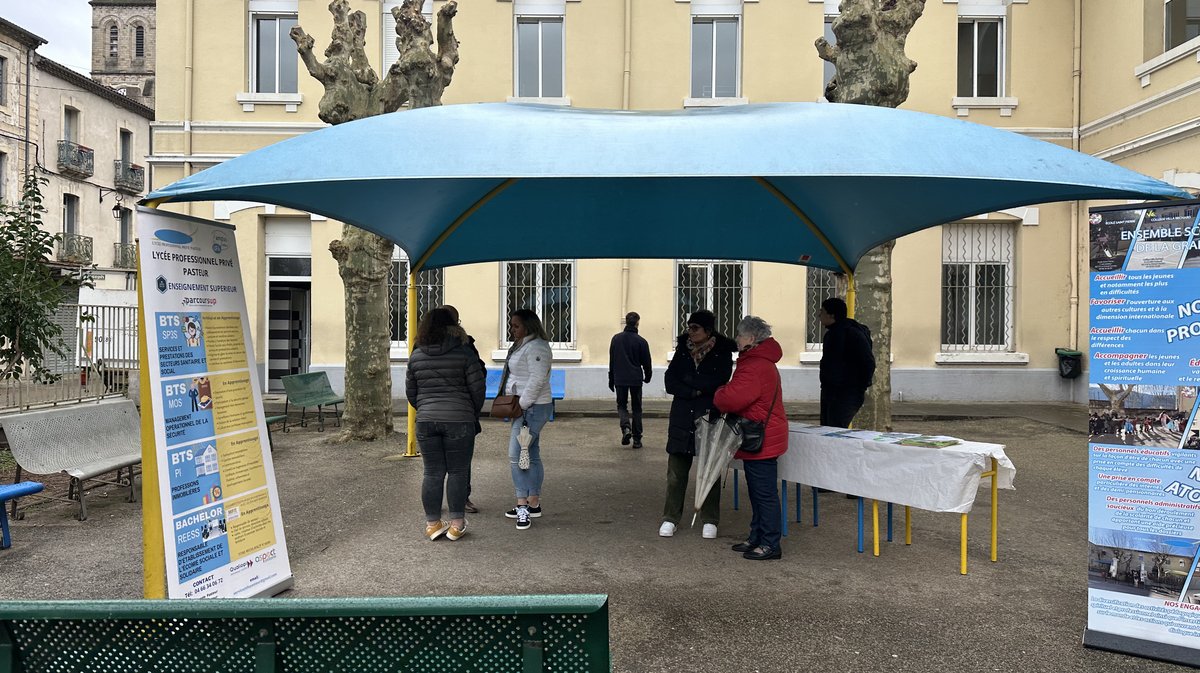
(944, 479)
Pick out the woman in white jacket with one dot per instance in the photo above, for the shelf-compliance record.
(528, 377)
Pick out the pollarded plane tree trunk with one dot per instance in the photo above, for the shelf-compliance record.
(354, 91)
(1117, 396)
(873, 70)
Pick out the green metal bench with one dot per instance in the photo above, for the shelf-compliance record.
(272, 420)
(485, 634)
(311, 390)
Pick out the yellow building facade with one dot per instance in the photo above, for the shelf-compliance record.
(983, 300)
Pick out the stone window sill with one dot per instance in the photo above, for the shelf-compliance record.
(290, 101)
(980, 358)
(1005, 105)
(560, 355)
(563, 101)
(714, 102)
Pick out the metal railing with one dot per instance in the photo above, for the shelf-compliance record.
(129, 177)
(124, 256)
(101, 360)
(75, 249)
(75, 160)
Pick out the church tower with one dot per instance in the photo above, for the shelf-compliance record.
(123, 47)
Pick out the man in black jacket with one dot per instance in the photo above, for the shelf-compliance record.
(629, 366)
(847, 364)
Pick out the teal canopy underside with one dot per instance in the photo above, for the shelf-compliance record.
(680, 184)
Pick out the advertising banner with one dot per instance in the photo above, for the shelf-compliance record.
(1144, 439)
(223, 533)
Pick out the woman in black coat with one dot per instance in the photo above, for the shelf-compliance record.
(702, 363)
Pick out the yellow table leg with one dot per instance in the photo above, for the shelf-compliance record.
(962, 546)
(995, 505)
(907, 525)
(875, 524)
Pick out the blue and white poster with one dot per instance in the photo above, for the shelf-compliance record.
(223, 533)
(1144, 440)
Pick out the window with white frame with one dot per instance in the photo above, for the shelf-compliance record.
(716, 57)
(391, 53)
(547, 287)
(114, 37)
(981, 57)
(539, 62)
(822, 284)
(273, 55)
(431, 293)
(1181, 19)
(718, 286)
(977, 287)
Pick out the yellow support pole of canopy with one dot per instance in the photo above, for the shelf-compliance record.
(410, 444)
(812, 226)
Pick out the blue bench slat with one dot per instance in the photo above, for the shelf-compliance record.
(10, 491)
(558, 383)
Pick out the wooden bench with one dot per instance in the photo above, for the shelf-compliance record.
(82, 441)
(457, 633)
(311, 390)
(558, 385)
(12, 492)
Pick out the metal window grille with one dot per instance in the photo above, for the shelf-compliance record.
(715, 55)
(719, 286)
(431, 293)
(981, 58)
(977, 287)
(822, 284)
(539, 57)
(547, 287)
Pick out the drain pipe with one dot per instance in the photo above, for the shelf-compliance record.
(1076, 210)
(29, 52)
(189, 46)
(625, 106)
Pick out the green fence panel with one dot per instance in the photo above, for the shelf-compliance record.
(490, 634)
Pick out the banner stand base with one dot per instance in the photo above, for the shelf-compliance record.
(1176, 654)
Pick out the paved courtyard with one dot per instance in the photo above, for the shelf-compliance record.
(354, 521)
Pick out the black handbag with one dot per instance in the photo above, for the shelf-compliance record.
(753, 432)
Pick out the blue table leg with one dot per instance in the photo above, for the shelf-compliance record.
(815, 508)
(798, 500)
(735, 490)
(860, 524)
(5, 542)
(889, 522)
(783, 508)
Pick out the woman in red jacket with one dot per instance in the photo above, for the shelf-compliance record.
(755, 393)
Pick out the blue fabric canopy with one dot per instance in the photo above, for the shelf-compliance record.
(531, 182)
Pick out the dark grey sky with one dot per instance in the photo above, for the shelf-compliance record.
(65, 24)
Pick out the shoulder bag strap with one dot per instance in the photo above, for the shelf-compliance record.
(778, 386)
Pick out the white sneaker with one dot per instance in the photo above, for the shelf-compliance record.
(709, 532)
(667, 529)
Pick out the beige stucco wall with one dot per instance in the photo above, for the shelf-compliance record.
(778, 64)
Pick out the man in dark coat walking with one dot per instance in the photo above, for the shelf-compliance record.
(847, 364)
(629, 366)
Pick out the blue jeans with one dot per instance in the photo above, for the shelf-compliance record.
(762, 484)
(529, 482)
(446, 450)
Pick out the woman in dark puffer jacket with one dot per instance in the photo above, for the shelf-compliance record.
(446, 383)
